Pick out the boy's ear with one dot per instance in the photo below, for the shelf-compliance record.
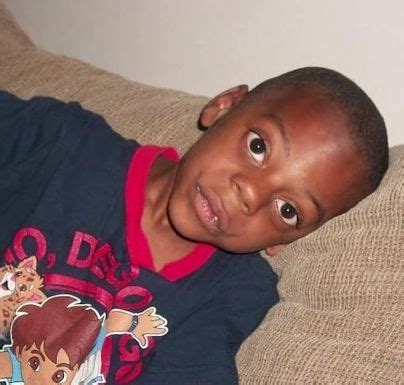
(221, 104)
(274, 250)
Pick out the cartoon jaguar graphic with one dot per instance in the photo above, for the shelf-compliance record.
(18, 284)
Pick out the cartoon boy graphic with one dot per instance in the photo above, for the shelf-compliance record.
(59, 341)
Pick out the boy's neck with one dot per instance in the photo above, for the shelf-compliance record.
(166, 245)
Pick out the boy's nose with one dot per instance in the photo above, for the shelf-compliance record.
(251, 193)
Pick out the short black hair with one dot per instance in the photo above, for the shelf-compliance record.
(366, 124)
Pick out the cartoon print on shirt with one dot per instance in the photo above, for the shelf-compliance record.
(18, 285)
(60, 340)
(89, 267)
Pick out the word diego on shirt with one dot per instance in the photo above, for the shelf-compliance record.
(88, 254)
(112, 287)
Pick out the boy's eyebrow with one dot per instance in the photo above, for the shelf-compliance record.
(64, 365)
(279, 124)
(319, 206)
(39, 353)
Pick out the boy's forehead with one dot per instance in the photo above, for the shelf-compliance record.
(305, 112)
(302, 98)
(316, 133)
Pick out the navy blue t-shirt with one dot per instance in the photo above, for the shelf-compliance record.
(71, 195)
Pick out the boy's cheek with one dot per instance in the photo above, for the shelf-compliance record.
(262, 236)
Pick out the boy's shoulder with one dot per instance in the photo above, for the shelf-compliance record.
(249, 264)
(243, 275)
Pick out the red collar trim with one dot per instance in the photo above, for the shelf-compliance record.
(136, 240)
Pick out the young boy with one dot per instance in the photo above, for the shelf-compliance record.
(60, 341)
(125, 226)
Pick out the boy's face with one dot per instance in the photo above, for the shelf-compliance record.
(267, 173)
(37, 368)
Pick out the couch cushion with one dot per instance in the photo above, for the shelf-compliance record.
(341, 315)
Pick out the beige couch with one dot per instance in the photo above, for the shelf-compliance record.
(341, 314)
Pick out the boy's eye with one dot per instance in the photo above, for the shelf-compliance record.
(59, 377)
(34, 363)
(256, 147)
(287, 212)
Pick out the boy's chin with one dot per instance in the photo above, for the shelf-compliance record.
(239, 249)
(233, 247)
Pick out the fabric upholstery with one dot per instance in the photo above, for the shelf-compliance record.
(341, 315)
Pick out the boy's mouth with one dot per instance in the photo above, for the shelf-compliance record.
(209, 209)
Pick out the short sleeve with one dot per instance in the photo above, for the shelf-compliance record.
(27, 126)
(37, 136)
(248, 294)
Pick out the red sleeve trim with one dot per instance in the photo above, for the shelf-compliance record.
(136, 240)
